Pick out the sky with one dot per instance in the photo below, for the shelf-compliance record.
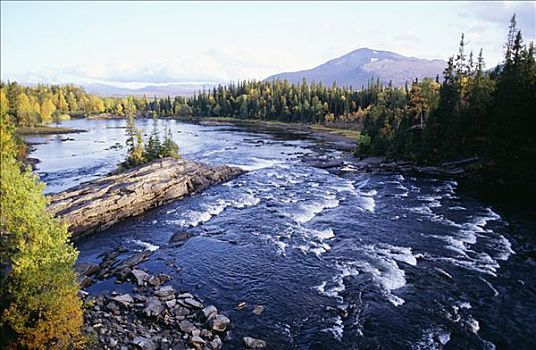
(132, 44)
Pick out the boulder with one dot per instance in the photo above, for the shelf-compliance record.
(186, 326)
(184, 296)
(165, 292)
(140, 276)
(259, 309)
(84, 281)
(86, 269)
(216, 343)
(180, 237)
(181, 311)
(253, 343)
(219, 323)
(96, 205)
(193, 302)
(124, 299)
(144, 343)
(209, 311)
(153, 307)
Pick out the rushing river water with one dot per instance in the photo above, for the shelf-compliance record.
(339, 260)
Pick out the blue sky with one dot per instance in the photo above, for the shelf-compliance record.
(133, 44)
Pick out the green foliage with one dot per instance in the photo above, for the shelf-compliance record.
(473, 112)
(140, 153)
(39, 307)
(363, 144)
(29, 106)
(134, 142)
(153, 146)
(169, 148)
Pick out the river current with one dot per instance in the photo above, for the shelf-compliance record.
(339, 259)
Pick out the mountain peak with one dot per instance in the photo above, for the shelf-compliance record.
(357, 67)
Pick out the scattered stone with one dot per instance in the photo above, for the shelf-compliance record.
(209, 311)
(165, 291)
(140, 276)
(184, 296)
(158, 279)
(135, 259)
(193, 303)
(258, 310)
(122, 273)
(216, 343)
(151, 318)
(219, 323)
(181, 311)
(153, 307)
(171, 303)
(253, 343)
(84, 281)
(111, 255)
(186, 326)
(86, 269)
(198, 340)
(124, 299)
(180, 237)
(144, 343)
(206, 333)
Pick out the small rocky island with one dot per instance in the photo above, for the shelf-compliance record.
(96, 205)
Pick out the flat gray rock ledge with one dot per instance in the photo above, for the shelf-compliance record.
(96, 205)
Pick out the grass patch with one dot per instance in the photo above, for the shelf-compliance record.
(348, 133)
(351, 134)
(46, 130)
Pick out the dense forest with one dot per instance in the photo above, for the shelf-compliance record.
(472, 111)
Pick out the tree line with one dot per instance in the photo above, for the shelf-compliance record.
(473, 112)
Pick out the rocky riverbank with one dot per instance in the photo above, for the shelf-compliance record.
(379, 165)
(96, 205)
(151, 314)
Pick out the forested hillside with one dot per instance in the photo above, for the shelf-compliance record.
(473, 111)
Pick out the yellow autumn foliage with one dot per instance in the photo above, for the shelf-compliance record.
(39, 307)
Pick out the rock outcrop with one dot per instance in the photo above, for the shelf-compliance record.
(96, 205)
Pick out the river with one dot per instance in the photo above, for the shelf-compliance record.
(339, 260)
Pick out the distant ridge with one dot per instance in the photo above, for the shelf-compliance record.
(359, 66)
(183, 89)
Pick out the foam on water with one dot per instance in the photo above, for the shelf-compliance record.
(381, 263)
(314, 240)
(432, 339)
(307, 211)
(337, 329)
(145, 245)
(366, 198)
(193, 218)
(258, 163)
(465, 239)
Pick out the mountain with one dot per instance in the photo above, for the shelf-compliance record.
(183, 89)
(358, 67)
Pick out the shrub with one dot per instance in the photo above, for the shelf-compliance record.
(39, 307)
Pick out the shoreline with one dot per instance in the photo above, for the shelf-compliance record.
(342, 139)
(47, 130)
